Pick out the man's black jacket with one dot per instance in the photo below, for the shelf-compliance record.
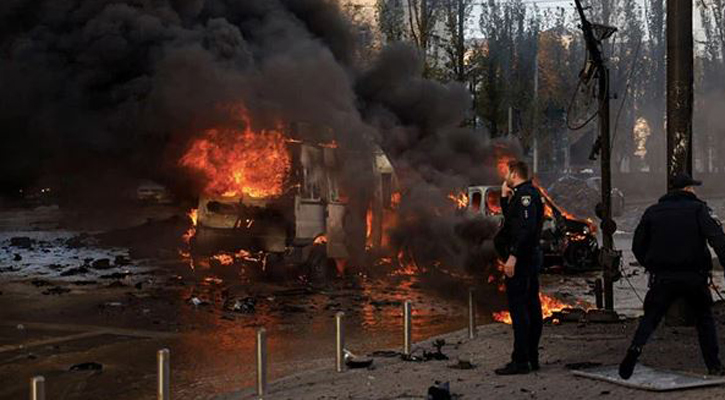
(523, 219)
(673, 235)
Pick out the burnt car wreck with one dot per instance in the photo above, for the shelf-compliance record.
(304, 224)
(567, 242)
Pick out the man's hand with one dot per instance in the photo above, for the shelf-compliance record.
(510, 268)
(506, 190)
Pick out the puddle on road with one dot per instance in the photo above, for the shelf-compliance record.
(219, 356)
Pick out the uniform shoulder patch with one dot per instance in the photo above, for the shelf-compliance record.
(526, 201)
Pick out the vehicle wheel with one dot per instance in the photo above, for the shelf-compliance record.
(581, 255)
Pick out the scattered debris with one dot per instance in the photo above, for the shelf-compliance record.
(101, 264)
(9, 269)
(440, 391)
(356, 362)
(121, 261)
(438, 353)
(17, 257)
(87, 366)
(198, 302)
(22, 242)
(116, 275)
(82, 270)
(569, 315)
(246, 305)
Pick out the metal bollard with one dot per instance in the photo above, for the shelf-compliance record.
(37, 388)
(471, 314)
(261, 362)
(164, 375)
(407, 327)
(339, 342)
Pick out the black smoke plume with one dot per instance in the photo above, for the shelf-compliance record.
(99, 89)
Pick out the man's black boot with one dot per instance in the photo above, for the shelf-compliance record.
(514, 368)
(626, 368)
(534, 365)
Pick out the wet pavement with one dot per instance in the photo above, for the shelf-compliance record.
(66, 299)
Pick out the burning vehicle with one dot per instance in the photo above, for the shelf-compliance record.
(271, 194)
(566, 241)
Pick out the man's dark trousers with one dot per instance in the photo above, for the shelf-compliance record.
(693, 288)
(522, 292)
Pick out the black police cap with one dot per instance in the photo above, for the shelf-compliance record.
(683, 180)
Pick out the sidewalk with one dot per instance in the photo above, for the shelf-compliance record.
(392, 378)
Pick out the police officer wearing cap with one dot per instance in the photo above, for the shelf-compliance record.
(518, 243)
(671, 243)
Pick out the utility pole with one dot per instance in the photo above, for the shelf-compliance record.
(679, 88)
(679, 111)
(536, 109)
(609, 258)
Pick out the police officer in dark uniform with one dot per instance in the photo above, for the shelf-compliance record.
(671, 243)
(518, 243)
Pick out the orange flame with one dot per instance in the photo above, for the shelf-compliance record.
(407, 264)
(460, 199)
(240, 161)
(192, 214)
(395, 200)
(369, 228)
(549, 212)
(549, 306)
(224, 259)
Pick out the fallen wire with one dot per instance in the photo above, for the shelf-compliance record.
(624, 274)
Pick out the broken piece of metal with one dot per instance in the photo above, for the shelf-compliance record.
(352, 361)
